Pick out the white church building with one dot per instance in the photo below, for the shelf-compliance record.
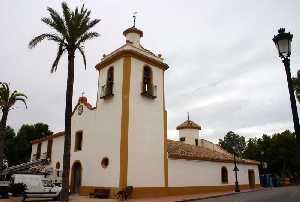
(122, 141)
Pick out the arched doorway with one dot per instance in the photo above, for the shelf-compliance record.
(76, 177)
(251, 176)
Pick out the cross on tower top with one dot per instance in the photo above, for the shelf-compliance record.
(82, 93)
(134, 17)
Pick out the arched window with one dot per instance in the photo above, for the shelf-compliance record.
(107, 89)
(224, 176)
(57, 165)
(110, 81)
(147, 87)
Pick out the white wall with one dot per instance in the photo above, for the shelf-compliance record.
(101, 134)
(57, 151)
(33, 150)
(189, 134)
(145, 136)
(206, 173)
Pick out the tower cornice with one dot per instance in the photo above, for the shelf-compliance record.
(132, 53)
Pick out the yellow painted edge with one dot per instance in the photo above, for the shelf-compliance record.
(86, 190)
(124, 122)
(144, 192)
(132, 53)
(166, 169)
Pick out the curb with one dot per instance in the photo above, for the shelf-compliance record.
(220, 195)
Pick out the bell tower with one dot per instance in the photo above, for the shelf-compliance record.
(136, 86)
(189, 132)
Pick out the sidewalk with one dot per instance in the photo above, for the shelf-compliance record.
(181, 198)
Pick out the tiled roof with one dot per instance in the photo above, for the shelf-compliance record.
(53, 135)
(83, 100)
(188, 124)
(180, 150)
(133, 29)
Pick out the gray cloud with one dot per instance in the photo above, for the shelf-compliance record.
(223, 65)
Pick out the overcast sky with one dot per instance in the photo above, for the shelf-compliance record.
(224, 68)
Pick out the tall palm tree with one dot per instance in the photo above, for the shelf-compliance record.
(71, 31)
(296, 85)
(7, 100)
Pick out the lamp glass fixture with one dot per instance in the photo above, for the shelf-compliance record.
(283, 43)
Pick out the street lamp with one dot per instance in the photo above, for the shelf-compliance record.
(235, 169)
(283, 43)
(262, 161)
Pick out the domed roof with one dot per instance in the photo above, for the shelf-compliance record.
(188, 124)
(133, 30)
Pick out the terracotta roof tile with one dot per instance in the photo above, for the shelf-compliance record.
(188, 124)
(180, 150)
(133, 29)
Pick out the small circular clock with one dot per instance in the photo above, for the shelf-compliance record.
(80, 109)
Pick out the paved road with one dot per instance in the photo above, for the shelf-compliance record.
(282, 194)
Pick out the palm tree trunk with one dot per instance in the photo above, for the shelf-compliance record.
(68, 114)
(2, 135)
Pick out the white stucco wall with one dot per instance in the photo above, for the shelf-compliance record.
(57, 151)
(206, 173)
(189, 134)
(101, 134)
(33, 150)
(145, 135)
(134, 38)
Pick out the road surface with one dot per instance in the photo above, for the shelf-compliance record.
(280, 194)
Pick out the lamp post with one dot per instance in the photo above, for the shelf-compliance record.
(235, 169)
(283, 43)
(262, 161)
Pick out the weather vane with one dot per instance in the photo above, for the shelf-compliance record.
(134, 17)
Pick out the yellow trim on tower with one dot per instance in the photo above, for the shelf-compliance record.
(125, 122)
(132, 53)
(166, 169)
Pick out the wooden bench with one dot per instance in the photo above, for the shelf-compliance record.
(100, 193)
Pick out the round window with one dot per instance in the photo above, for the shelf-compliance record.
(104, 162)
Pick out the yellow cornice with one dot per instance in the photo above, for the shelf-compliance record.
(134, 54)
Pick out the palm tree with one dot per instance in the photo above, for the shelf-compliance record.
(7, 100)
(296, 85)
(72, 30)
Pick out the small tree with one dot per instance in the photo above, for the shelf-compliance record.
(231, 140)
(7, 100)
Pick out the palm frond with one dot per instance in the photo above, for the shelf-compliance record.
(40, 38)
(81, 50)
(67, 17)
(60, 52)
(92, 23)
(4, 93)
(22, 100)
(55, 25)
(17, 94)
(60, 24)
(7, 99)
(87, 36)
